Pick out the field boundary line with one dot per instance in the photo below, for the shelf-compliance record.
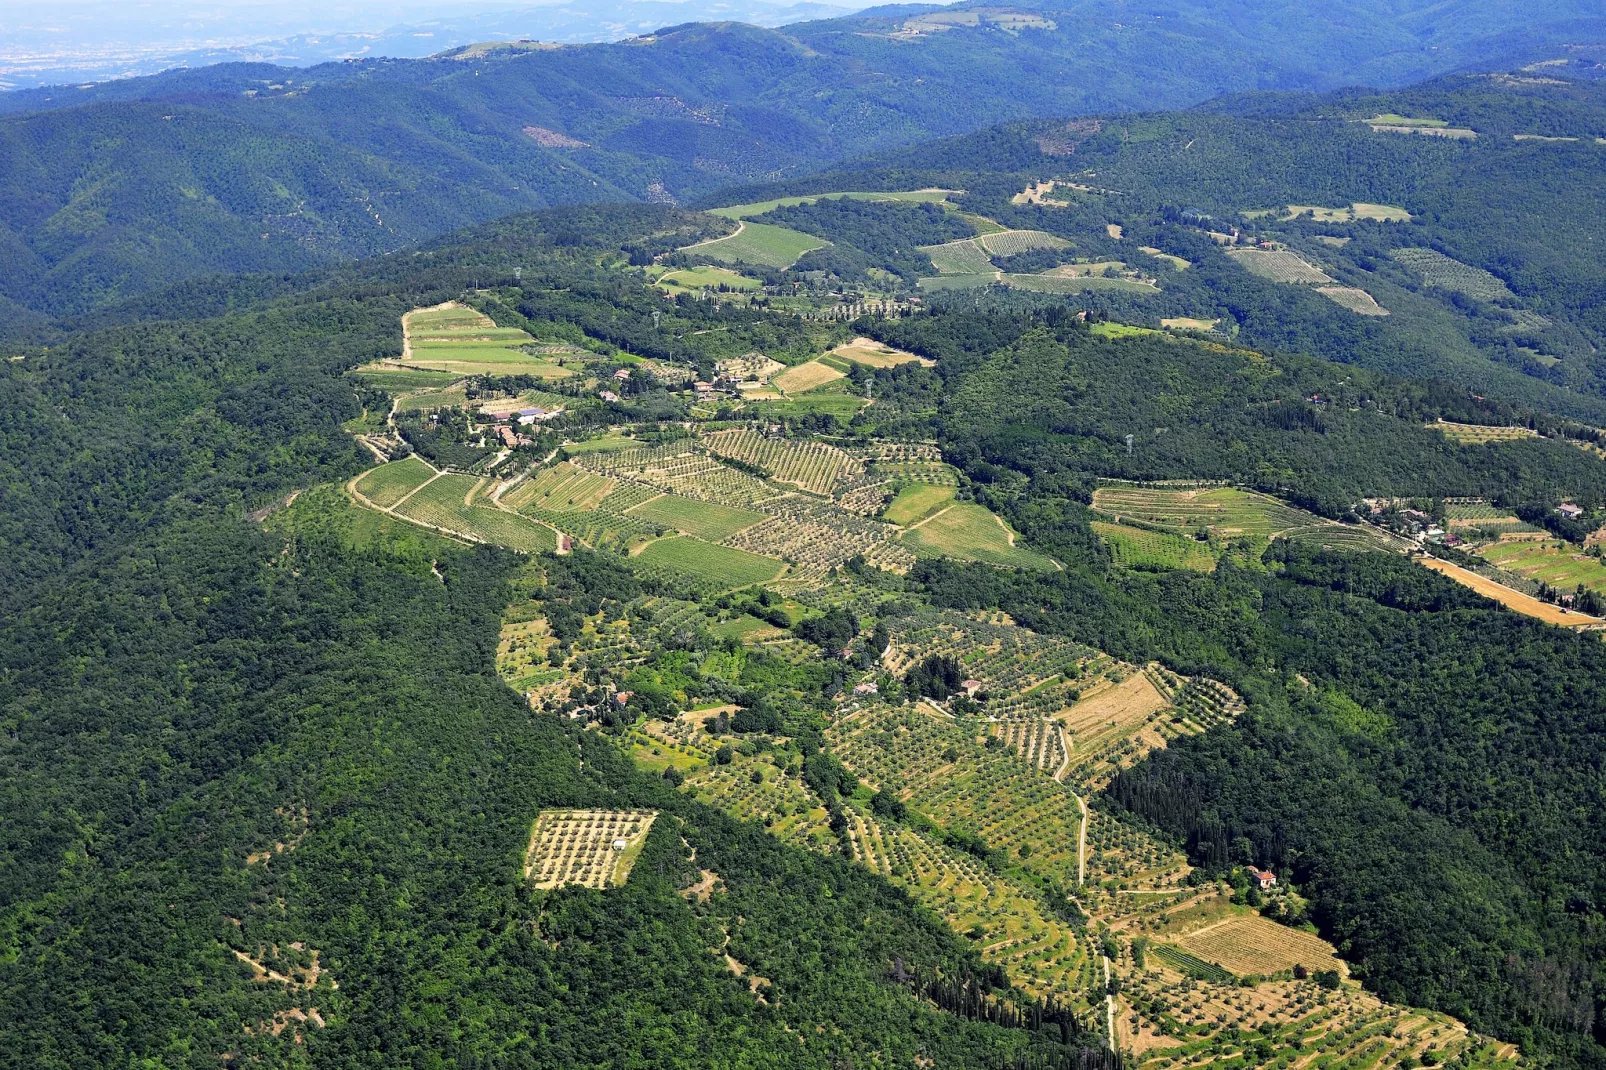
(929, 519)
(741, 225)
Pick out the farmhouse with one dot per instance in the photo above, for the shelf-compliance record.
(509, 439)
(1264, 879)
(608, 395)
(869, 687)
(622, 374)
(1569, 510)
(621, 697)
(971, 687)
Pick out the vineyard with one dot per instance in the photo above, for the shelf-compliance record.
(390, 483)
(1480, 434)
(1280, 266)
(561, 487)
(1222, 512)
(708, 566)
(1441, 271)
(1358, 301)
(443, 505)
(702, 519)
(1142, 548)
(801, 378)
(593, 848)
(813, 466)
(914, 502)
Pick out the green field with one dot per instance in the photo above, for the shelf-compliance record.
(746, 629)
(463, 341)
(704, 563)
(1547, 561)
(842, 405)
(968, 531)
(916, 501)
(1226, 512)
(396, 380)
(760, 243)
(448, 397)
(602, 444)
(702, 519)
(390, 483)
(706, 277)
(1140, 548)
(757, 208)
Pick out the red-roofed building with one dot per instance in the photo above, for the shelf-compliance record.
(1264, 879)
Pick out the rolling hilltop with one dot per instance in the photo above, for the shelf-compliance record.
(244, 167)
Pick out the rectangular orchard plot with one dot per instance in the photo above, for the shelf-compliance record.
(1280, 266)
(706, 563)
(1250, 944)
(593, 848)
(390, 483)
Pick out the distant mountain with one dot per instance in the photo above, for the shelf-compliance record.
(31, 60)
(114, 188)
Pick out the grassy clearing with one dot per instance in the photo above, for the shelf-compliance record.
(1381, 213)
(914, 502)
(760, 243)
(705, 520)
(705, 277)
(801, 378)
(705, 563)
(1119, 330)
(1175, 261)
(390, 483)
(967, 531)
(873, 354)
(937, 283)
(746, 629)
(1188, 323)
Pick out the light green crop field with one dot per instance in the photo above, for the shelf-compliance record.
(1059, 284)
(760, 243)
(968, 531)
(396, 380)
(563, 487)
(705, 277)
(748, 211)
(914, 502)
(390, 483)
(450, 397)
(1120, 330)
(463, 341)
(1140, 548)
(841, 405)
(964, 257)
(603, 444)
(1547, 561)
(705, 563)
(705, 520)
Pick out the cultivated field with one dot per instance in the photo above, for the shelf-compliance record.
(973, 256)
(1473, 519)
(705, 520)
(563, 486)
(390, 483)
(759, 243)
(1226, 512)
(916, 501)
(705, 564)
(801, 378)
(443, 505)
(706, 277)
(814, 466)
(1511, 599)
(1356, 300)
(457, 339)
(1480, 434)
(758, 208)
(594, 848)
(1382, 213)
(869, 352)
(1445, 273)
(1175, 261)
(1549, 561)
(970, 532)
(1141, 548)
(1065, 284)
(1188, 323)
(1249, 944)
(1280, 266)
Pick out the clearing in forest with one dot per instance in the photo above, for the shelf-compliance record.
(1382, 213)
(1482, 434)
(969, 532)
(1188, 323)
(1279, 265)
(801, 378)
(594, 848)
(873, 354)
(388, 484)
(758, 208)
(458, 339)
(1225, 512)
(1141, 548)
(1447, 273)
(706, 277)
(456, 505)
(1356, 300)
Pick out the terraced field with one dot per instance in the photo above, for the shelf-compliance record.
(443, 505)
(457, 339)
(1226, 513)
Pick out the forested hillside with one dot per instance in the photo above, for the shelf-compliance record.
(243, 167)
